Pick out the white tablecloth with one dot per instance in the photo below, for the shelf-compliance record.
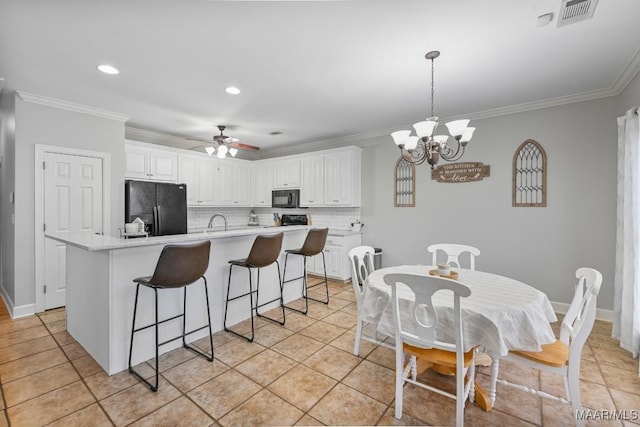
(501, 314)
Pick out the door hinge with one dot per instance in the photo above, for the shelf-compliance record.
(44, 164)
(44, 227)
(45, 288)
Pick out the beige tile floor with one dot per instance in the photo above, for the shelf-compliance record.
(301, 374)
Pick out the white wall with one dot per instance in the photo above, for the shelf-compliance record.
(630, 96)
(539, 246)
(38, 124)
(7, 180)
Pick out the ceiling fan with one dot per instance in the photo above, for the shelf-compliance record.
(224, 145)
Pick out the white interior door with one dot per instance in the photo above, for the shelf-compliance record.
(72, 204)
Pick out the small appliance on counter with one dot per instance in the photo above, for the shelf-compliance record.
(253, 219)
(294, 220)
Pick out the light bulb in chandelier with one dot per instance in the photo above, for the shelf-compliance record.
(210, 150)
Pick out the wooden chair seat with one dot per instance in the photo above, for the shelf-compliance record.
(555, 354)
(437, 356)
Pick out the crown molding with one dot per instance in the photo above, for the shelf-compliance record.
(628, 73)
(71, 106)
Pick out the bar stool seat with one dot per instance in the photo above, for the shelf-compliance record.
(312, 246)
(264, 252)
(178, 267)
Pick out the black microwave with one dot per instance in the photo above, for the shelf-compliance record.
(285, 198)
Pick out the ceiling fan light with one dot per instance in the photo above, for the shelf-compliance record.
(412, 143)
(210, 150)
(425, 128)
(233, 152)
(221, 155)
(223, 149)
(457, 127)
(400, 136)
(468, 133)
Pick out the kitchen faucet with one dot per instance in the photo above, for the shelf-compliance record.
(213, 217)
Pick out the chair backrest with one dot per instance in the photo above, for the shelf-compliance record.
(416, 325)
(361, 258)
(453, 251)
(314, 243)
(265, 250)
(181, 265)
(579, 319)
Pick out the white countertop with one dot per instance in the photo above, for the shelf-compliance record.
(339, 232)
(96, 242)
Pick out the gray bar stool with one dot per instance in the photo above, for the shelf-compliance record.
(313, 245)
(264, 252)
(178, 266)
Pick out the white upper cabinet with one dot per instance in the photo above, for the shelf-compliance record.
(342, 178)
(200, 174)
(312, 182)
(151, 164)
(262, 184)
(286, 173)
(234, 183)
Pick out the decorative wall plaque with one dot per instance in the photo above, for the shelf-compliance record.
(404, 194)
(529, 175)
(460, 172)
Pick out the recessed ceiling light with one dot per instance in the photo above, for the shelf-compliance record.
(232, 90)
(108, 69)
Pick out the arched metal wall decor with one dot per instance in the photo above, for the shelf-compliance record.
(405, 184)
(529, 175)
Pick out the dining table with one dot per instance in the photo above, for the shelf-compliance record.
(500, 314)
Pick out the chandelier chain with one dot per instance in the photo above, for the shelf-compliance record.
(432, 86)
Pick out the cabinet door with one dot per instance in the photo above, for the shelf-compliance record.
(333, 256)
(286, 174)
(262, 184)
(137, 160)
(312, 181)
(207, 175)
(188, 174)
(233, 186)
(163, 166)
(338, 174)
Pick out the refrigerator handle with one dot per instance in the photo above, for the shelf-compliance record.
(156, 221)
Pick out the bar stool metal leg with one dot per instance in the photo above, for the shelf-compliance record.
(280, 299)
(304, 284)
(226, 306)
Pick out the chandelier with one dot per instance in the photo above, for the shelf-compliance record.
(427, 146)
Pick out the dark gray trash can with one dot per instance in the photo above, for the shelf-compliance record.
(377, 258)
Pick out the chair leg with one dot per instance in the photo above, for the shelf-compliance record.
(280, 299)
(399, 380)
(326, 282)
(197, 351)
(304, 284)
(572, 380)
(226, 307)
(356, 344)
(152, 387)
(495, 366)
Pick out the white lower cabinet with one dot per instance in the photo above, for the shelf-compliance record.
(336, 254)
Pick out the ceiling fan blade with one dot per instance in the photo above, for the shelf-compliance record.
(242, 146)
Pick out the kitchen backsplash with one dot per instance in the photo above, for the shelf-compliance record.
(336, 218)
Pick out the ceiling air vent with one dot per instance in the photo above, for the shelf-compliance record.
(572, 11)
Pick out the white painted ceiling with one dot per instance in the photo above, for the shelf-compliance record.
(313, 70)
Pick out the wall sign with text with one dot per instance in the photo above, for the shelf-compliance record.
(460, 172)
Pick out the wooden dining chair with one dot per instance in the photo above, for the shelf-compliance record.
(563, 356)
(453, 252)
(415, 333)
(361, 258)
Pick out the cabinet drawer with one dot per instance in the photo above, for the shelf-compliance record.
(334, 240)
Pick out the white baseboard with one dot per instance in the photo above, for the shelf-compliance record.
(601, 314)
(16, 312)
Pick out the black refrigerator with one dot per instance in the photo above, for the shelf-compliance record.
(162, 206)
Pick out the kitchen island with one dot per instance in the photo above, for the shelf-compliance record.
(100, 290)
